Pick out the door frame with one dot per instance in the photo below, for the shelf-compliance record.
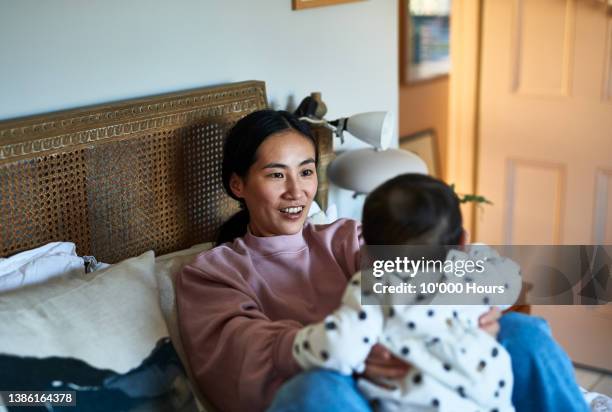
(464, 97)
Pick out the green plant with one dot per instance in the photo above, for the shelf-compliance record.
(477, 199)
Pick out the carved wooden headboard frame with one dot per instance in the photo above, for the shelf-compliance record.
(122, 178)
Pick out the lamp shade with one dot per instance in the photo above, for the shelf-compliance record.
(363, 170)
(374, 128)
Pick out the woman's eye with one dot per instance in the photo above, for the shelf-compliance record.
(307, 172)
(276, 175)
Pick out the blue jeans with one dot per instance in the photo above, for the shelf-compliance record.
(543, 377)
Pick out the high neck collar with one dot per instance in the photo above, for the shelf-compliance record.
(268, 245)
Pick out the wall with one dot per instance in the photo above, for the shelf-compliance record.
(423, 106)
(67, 53)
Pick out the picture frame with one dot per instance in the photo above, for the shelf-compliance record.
(308, 4)
(425, 145)
(424, 40)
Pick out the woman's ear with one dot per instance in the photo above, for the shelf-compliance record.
(236, 184)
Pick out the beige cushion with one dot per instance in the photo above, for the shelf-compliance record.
(110, 319)
(166, 267)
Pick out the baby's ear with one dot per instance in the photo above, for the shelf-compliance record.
(236, 184)
(464, 238)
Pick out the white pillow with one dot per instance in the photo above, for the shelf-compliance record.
(39, 265)
(166, 267)
(319, 218)
(316, 216)
(110, 319)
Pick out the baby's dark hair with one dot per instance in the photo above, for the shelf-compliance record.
(412, 209)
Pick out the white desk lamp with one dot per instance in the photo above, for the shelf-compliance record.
(362, 170)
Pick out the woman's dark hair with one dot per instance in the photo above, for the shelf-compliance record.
(412, 209)
(239, 154)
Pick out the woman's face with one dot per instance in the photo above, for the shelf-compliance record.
(280, 185)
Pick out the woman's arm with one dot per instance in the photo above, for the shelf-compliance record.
(343, 340)
(238, 356)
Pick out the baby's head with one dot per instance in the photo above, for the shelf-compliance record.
(412, 209)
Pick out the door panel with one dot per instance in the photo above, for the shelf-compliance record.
(602, 225)
(530, 222)
(541, 61)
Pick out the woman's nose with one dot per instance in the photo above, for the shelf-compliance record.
(293, 190)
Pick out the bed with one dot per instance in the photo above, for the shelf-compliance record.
(125, 182)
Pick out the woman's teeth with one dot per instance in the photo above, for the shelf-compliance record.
(297, 209)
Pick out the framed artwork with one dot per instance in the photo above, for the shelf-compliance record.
(307, 4)
(424, 42)
(425, 145)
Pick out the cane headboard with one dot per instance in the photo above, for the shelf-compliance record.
(122, 178)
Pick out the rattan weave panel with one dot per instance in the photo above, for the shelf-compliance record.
(135, 196)
(39, 203)
(208, 205)
(123, 178)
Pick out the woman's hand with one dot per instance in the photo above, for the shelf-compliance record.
(489, 322)
(381, 364)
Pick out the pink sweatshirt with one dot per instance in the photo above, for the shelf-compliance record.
(241, 304)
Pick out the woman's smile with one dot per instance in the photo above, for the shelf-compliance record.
(292, 209)
(292, 213)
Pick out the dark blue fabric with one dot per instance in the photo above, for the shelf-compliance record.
(158, 384)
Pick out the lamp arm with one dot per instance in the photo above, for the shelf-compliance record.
(319, 122)
(340, 125)
(336, 126)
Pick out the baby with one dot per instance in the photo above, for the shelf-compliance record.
(455, 365)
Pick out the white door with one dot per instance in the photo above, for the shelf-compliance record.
(545, 142)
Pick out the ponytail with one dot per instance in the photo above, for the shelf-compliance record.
(235, 226)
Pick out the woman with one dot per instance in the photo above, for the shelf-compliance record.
(242, 303)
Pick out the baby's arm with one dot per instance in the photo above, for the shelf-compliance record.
(342, 341)
(500, 270)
